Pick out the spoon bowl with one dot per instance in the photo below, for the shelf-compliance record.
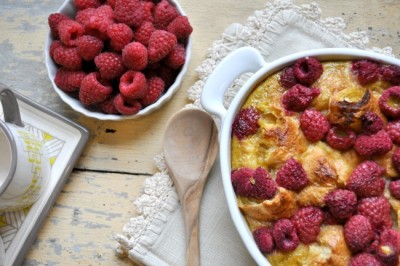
(190, 149)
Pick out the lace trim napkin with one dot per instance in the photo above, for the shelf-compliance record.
(156, 235)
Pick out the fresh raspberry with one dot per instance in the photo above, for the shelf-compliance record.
(89, 47)
(388, 102)
(285, 236)
(143, 32)
(69, 30)
(245, 123)
(307, 70)
(396, 159)
(83, 16)
(375, 144)
(107, 106)
(53, 46)
(341, 138)
(377, 210)
(342, 203)
(147, 11)
(161, 43)
(314, 125)
(181, 27)
(253, 183)
(387, 254)
(94, 89)
(394, 188)
(393, 130)
(364, 259)
(129, 12)
(176, 58)
(366, 71)
(105, 11)
(299, 97)
(371, 123)
(53, 21)
(109, 65)
(83, 4)
(120, 35)
(287, 78)
(126, 106)
(264, 239)
(366, 180)
(391, 74)
(68, 57)
(358, 233)
(133, 85)
(134, 56)
(69, 80)
(292, 176)
(307, 221)
(99, 22)
(155, 88)
(164, 14)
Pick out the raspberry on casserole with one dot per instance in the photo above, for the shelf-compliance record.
(366, 180)
(314, 125)
(365, 71)
(245, 123)
(292, 176)
(358, 233)
(307, 70)
(285, 236)
(299, 97)
(307, 221)
(256, 183)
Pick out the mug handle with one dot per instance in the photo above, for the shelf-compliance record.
(10, 106)
(242, 60)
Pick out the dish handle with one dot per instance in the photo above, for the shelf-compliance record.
(243, 60)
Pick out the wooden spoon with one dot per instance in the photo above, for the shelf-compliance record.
(190, 148)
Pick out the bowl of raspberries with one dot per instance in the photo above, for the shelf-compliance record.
(117, 59)
(310, 155)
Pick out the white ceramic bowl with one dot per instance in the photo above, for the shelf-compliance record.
(68, 9)
(242, 61)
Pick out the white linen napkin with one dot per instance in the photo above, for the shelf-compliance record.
(156, 236)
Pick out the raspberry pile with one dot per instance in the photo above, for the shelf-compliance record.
(118, 56)
(369, 129)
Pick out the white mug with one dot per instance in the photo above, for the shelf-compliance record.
(24, 164)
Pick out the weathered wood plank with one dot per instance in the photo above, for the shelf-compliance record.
(81, 227)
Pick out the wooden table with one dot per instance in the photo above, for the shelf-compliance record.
(96, 202)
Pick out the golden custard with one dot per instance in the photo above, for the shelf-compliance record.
(279, 138)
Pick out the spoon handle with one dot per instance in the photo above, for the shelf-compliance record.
(193, 246)
(191, 209)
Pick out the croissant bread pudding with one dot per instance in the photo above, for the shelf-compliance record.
(316, 164)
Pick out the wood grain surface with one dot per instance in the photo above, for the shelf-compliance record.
(96, 202)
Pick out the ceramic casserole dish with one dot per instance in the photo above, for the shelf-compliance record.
(245, 60)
